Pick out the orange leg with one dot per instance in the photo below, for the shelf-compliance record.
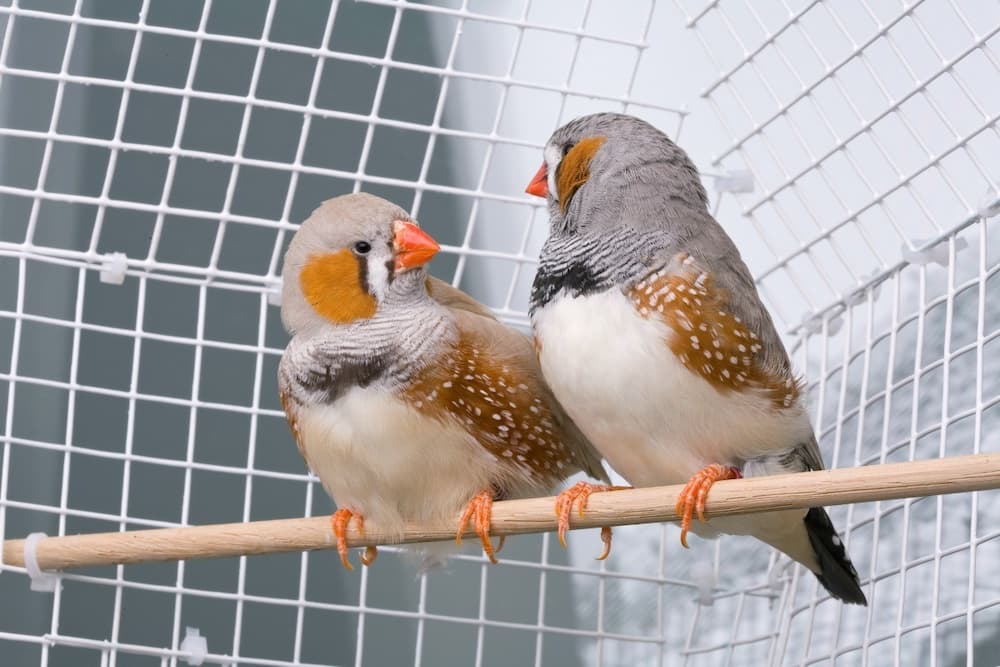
(481, 505)
(695, 493)
(578, 494)
(341, 518)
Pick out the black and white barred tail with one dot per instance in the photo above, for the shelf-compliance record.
(837, 573)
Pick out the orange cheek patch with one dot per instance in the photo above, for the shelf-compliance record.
(708, 340)
(574, 169)
(332, 286)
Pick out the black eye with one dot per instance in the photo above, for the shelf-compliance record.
(362, 247)
(567, 148)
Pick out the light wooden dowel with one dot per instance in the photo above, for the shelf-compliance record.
(831, 487)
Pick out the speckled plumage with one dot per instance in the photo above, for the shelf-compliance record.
(410, 412)
(709, 340)
(652, 335)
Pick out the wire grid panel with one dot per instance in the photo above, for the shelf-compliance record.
(870, 127)
(156, 157)
(174, 146)
(871, 131)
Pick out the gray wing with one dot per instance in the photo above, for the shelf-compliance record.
(803, 457)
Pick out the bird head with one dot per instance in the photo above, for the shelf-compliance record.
(594, 164)
(353, 255)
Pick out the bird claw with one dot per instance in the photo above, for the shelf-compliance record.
(606, 538)
(694, 495)
(340, 520)
(480, 506)
(369, 555)
(577, 495)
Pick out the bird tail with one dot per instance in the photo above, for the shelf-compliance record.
(808, 538)
(836, 572)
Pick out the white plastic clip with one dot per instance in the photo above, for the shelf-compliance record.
(935, 254)
(989, 205)
(274, 292)
(41, 581)
(735, 181)
(702, 575)
(113, 268)
(859, 295)
(856, 297)
(813, 324)
(194, 645)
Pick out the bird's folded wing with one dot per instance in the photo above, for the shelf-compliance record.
(729, 342)
(515, 351)
(456, 299)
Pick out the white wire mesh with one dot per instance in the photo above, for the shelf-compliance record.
(192, 137)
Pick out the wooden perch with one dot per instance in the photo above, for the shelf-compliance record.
(758, 494)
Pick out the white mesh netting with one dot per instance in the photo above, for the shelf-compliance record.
(155, 157)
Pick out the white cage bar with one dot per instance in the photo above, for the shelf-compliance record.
(191, 137)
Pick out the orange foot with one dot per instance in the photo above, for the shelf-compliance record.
(578, 494)
(695, 492)
(481, 506)
(341, 518)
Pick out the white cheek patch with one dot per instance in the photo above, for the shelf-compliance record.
(552, 159)
(378, 273)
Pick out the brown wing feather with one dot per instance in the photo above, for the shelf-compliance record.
(291, 414)
(708, 338)
(490, 380)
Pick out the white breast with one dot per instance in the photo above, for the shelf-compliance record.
(654, 421)
(380, 458)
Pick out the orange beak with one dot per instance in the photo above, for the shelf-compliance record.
(539, 185)
(414, 247)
